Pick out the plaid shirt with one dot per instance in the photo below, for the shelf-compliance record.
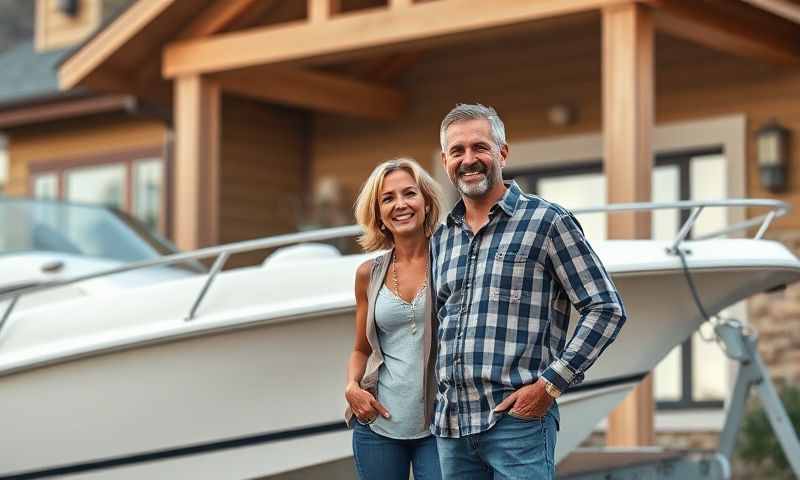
(503, 302)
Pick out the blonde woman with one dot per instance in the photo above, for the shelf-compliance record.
(390, 388)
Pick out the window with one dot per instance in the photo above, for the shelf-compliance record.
(132, 181)
(45, 186)
(680, 379)
(148, 188)
(103, 184)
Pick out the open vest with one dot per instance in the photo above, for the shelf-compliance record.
(369, 381)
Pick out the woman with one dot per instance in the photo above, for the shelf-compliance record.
(390, 388)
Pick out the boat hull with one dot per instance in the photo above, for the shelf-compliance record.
(263, 396)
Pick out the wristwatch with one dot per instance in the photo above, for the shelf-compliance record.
(552, 390)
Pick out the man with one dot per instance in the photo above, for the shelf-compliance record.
(506, 266)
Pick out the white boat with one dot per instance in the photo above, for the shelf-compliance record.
(239, 373)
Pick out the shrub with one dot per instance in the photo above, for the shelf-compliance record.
(757, 444)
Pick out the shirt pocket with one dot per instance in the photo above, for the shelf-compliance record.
(511, 266)
(517, 274)
(506, 285)
(510, 295)
(511, 255)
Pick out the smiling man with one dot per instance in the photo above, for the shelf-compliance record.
(506, 268)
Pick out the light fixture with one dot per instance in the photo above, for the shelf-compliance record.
(69, 7)
(561, 115)
(772, 142)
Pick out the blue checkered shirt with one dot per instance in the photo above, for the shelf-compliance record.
(503, 302)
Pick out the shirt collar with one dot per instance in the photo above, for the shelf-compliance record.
(508, 204)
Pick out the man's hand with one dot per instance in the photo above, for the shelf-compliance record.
(529, 401)
(365, 407)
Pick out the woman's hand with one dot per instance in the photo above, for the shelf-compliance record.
(365, 407)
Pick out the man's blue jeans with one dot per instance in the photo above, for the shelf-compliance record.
(512, 449)
(382, 458)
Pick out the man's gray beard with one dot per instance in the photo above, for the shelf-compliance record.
(474, 190)
(477, 190)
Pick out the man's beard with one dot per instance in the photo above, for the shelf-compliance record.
(478, 189)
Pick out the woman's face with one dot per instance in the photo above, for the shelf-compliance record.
(401, 204)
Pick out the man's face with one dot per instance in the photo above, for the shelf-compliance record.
(473, 162)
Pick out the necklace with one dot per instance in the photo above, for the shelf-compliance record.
(413, 302)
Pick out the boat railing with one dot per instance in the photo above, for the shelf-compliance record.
(223, 252)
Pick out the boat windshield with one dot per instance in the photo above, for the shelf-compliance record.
(28, 225)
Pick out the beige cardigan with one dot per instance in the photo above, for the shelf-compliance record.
(369, 381)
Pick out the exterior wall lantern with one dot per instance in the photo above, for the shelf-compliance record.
(69, 7)
(772, 142)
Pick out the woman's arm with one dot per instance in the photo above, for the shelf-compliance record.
(363, 404)
(361, 348)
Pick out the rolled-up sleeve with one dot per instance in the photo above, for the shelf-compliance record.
(591, 291)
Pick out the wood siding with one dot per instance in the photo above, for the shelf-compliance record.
(550, 66)
(263, 172)
(84, 138)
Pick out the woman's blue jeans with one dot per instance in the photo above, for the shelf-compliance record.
(383, 458)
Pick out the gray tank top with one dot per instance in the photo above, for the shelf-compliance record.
(400, 379)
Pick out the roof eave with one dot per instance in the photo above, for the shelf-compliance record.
(94, 54)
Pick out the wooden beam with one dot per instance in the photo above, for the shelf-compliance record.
(359, 32)
(322, 10)
(723, 27)
(261, 9)
(108, 41)
(628, 117)
(628, 113)
(216, 18)
(213, 19)
(782, 8)
(315, 90)
(631, 424)
(197, 147)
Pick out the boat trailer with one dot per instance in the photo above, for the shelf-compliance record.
(654, 463)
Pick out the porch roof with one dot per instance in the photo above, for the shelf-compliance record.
(154, 41)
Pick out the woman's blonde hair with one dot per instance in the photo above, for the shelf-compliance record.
(367, 210)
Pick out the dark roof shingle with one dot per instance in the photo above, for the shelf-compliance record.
(26, 74)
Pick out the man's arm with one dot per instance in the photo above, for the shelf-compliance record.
(591, 292)
(589, 288)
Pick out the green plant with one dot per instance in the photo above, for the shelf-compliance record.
(757, 444)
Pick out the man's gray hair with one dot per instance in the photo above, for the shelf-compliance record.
(463, 112)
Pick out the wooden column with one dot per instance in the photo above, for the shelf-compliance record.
(322, 10)
(197, 138)
(628, 102)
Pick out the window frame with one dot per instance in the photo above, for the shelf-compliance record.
(5, 166)
(682, 159)
(60, 166)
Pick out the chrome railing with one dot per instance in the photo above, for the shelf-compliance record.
(223, 252)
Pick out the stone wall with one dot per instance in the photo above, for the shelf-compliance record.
(776, 318)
